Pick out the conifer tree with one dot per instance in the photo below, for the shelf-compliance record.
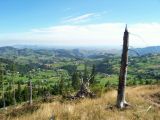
(85, 76)
(61, 84)
(75, 80)
(19, 93)
(25, 93)
(92, 80)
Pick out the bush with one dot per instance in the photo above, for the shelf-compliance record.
(147, 82)
(98, 90)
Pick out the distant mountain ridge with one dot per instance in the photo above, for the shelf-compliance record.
(146, 50)
(9, 51)
(56, 52)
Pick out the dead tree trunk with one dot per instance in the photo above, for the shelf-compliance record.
(84, 89)
(30, 92)
(13, 82)
(2, 83)
(121, 103)
(3, 95)
(14, 93)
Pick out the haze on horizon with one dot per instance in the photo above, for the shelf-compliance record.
(79, 23)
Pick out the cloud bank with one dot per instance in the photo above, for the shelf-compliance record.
(105, 34)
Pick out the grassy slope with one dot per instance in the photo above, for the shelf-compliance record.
(97, 109)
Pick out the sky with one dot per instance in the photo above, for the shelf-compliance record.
(79, 22)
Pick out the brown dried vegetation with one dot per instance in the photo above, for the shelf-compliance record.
(141, 98)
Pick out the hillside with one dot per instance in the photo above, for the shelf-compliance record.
(58, 72)
(145, 50)
(79, 60)
(54, 52)
(72, 53)
(144, 100)
(46, 68)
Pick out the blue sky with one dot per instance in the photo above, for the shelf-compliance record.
(53, 18)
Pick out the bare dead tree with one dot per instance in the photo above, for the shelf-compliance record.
(3, 95)
(121, 102)
(13, 82)
(30, 87)
(30, 92)
(3, 87)
(52, 117)
(84, 88)
(88, 80)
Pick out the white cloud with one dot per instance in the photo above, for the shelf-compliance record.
(106, 34)
(83, 18)
(79, 19)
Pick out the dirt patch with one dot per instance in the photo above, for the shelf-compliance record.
(23, 110)
(155, 97)
(2, 116)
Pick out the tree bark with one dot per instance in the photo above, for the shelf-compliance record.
(3, 87)
(121, 103)
(14, 93)
(30, 92)
(13, 83)
(4, 102)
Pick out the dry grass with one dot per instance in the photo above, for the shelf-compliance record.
(96, 109)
